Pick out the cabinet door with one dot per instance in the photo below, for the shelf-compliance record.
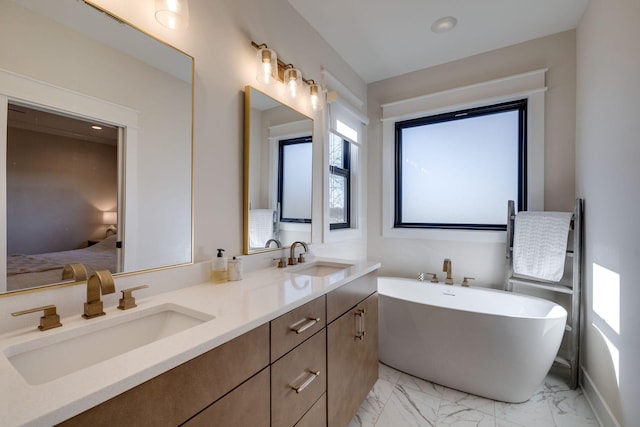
(352, 360)
(178, 394)
(247, 405)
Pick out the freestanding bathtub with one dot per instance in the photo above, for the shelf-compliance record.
(485, 342)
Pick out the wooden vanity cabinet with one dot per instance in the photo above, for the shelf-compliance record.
(172, 398)
(327, 347)
(352, 350)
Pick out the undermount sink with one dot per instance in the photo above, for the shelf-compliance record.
(320, 268)
(44, 359)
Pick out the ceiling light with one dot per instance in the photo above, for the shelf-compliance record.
(443, 25)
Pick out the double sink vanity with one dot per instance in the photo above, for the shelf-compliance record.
(283, 347)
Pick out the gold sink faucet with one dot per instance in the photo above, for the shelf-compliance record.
(49, 320)
(446, 267)
(292, 254)
(76, 272)
(100, 282)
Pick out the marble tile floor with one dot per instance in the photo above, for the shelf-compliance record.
(399, 400)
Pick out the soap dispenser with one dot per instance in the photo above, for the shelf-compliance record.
(219, 272)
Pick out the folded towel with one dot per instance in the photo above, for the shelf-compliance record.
(540, 244)
(261, 229)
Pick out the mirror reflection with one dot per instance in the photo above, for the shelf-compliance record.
(121, 194)
(62, 186)
(278, 173)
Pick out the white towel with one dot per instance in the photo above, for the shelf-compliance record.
(260, 227)
(540, 244)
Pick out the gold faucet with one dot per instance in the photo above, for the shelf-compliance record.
(75, 272)
(49, 320)
(446, 267)
(100, 282)
(292, 254)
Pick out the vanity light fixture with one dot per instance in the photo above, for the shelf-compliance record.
(270, 69)
(293, 80)
(266, 64)
(444, 25)
(315, 93)
(173, 14)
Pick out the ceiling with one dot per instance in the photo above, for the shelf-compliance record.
(23, 117)
(384, 38)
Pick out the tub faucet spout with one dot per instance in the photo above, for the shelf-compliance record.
(446, 267)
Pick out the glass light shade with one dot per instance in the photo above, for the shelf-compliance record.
(173, 14)
(109, 218)
(266, 66)
(293, 81)
(315, 94)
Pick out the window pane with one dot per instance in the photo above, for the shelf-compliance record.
(337, 199)
(336, 150)
(460, 171)
(296, 181)
(347, 131)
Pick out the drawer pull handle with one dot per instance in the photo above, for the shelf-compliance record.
(360, 332)
(312, 376)
(308, 323)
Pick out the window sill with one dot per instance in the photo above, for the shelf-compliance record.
(482, 236)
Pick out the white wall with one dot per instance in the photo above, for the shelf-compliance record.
(219, 36)
(608, 176)
(484, 261)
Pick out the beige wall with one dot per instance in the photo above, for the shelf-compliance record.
(485, 261)
(56, 188)
(219, 36)
(608, 176)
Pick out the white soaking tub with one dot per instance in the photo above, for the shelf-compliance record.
(485, 342)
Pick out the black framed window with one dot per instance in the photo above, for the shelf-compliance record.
(294, 179)
(457, 170)
(339, 182)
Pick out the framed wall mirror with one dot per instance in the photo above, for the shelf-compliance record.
(96, 145)
(278, 143)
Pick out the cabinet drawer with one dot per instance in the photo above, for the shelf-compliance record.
(175, 396)
(302, 368)
(316, 416)
(289, 330)
(347, 296)
(247, 405)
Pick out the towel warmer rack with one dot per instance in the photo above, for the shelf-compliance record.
(568, 358)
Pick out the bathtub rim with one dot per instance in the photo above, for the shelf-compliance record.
(556, 311)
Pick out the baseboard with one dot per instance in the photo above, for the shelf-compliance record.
(599, 407)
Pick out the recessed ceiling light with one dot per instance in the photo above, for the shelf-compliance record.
(96, 127)
(443, 25)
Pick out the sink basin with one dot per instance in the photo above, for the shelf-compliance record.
(47, 358)
(320, 268)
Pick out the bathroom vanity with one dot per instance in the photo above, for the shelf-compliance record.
(284, 347)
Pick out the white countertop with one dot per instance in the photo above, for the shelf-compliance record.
(237, 306)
